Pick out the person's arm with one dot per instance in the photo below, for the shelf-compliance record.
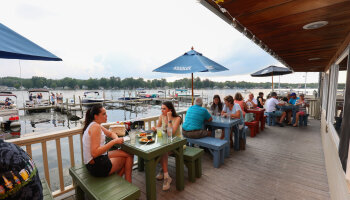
(298, 103)
(261, 101)
(236, 115)
(109, 133)
(245, 107)
(174, 124)
(95, 136)
(207, 116)
(159, 123)
(254, 104)
(223, 112)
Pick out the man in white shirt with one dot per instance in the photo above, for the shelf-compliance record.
(251, 102)
(270, 107)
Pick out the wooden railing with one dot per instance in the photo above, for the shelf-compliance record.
(314, 109)
(43, 139)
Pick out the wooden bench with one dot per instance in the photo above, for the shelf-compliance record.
(47, 195)
(193, 162)
(254, 127)
(214, 145)
(111, 187)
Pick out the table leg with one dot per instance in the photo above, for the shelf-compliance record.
(150, 166)
(227, 138)
(236, 136)
(258, 116)
(180, 182)
(140, 164)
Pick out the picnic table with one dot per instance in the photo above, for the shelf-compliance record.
(227, 124)
(259, 115)
(150, 154)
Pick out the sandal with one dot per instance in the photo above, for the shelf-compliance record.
(295, 125)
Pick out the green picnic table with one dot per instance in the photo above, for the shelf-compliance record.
(150, 154)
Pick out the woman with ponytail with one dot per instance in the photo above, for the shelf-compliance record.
(97, 160)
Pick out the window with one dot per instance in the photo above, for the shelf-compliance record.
(339, 94)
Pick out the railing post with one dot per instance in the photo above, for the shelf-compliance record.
(45, 162)
(59, 161)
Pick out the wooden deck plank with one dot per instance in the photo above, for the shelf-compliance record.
(279, 163)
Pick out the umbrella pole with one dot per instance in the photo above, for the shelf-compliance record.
(272, 81)
(192, 89)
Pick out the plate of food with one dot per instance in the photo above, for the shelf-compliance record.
(148, 139)
(144, 134)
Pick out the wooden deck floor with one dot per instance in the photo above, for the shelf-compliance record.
(280, 163)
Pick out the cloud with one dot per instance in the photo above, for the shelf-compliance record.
(126, 38)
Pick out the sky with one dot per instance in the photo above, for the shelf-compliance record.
(129, 39)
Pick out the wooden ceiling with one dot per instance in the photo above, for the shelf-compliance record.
(279, 25)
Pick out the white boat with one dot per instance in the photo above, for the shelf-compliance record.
(92, 97)
(9, 111)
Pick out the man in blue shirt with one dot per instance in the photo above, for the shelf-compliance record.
(196, 115)
(293, 98)
(295, 109)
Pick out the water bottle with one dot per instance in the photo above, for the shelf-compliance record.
(170, 132)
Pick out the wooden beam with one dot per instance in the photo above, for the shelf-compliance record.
(341, 49)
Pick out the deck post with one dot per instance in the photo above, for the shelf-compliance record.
(81, 106)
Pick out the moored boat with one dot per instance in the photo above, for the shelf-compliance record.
(92, 97)
(8, 113)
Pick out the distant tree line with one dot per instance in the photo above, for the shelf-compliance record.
(130, 83)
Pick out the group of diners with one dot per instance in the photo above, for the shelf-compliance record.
(101, 162)
(289, 108)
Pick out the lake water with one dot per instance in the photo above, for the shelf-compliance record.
(38, 123)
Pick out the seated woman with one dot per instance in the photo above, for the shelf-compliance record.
(97, 160)
(168, 119)
(216, 106)
(231, 110)
(260, 99)
(239, 100)
(215, 110)
(302, 108)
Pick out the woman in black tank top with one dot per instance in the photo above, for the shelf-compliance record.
(260, 100)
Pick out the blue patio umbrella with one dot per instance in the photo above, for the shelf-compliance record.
(15, 46)
(192, 61)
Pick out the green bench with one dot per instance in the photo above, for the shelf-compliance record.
(47, 195)
(193, 162)
(111, 187)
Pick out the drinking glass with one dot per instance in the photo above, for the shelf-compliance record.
(159, 131)
(132, 135)
(170, 133)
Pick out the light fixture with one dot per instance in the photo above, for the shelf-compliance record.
(315, 25)
(223, 10)
(234, 23)
(311, 59)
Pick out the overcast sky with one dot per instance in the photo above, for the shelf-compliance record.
(129, 39)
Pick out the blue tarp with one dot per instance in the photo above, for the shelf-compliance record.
(15, 46)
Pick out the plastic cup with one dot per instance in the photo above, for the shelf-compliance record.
(159, 131)
(132, 135)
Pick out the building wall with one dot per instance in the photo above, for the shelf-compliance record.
(338, 184)
(336, 176)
